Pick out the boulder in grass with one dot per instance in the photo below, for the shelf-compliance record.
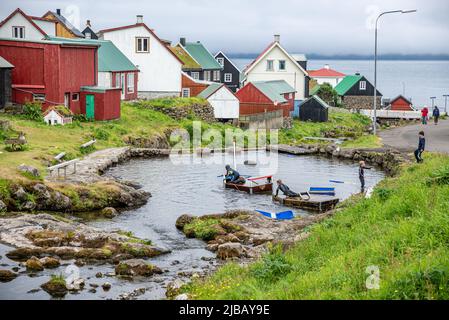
(29, 170)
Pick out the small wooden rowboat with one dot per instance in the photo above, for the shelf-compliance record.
(315, 203)
(252, 187)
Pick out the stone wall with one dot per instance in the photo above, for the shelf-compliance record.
(146, 95)
(360, 102)
(204, 111)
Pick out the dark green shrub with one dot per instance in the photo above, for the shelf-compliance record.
(33, 111)
(273, 266)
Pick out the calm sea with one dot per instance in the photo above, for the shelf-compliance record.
(419, 80)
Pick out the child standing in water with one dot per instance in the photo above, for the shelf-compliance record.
(362, 167)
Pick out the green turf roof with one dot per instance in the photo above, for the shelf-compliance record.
(274, 90)
(202, 56)
(210, 90)
(186, 58)
(347, 83)
(110, 58)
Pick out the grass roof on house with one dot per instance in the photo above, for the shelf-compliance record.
(202, 56)
(110, 58)
(347, 83)
(274, 90)
(186, 58)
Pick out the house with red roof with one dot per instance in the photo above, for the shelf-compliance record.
(276, 64)
(160, 69)
(19, 25)
(326, 75)
(400, 103)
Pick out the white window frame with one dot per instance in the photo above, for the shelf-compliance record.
(285, 65)
(117, 80)
(130, 79)
(77, 95)
(207, 75)
(270, 62)
(20, 31)
(216, 75)
(228, 77)
(220, 61)
(185, 93)
(195, 75)
(140, 44)
(362, 85)
(39, 97)
(290, 95)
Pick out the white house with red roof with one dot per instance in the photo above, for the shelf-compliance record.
(275, 64)
(19, 25)
(160, 68)
(327, 75)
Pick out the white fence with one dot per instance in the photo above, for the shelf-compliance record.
(389, 114)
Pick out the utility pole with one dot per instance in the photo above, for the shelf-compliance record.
(433, 101)
(445, 102)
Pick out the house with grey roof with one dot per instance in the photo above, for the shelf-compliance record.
(64, 28)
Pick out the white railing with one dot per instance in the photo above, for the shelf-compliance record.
(389, 114)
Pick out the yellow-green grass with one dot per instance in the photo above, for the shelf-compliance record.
(403, 230)
(341, 124)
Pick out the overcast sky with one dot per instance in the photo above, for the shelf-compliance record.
(247, 26)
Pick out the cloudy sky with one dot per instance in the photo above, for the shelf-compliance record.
(247, 26)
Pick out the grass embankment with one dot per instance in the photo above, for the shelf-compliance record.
(403, 229)
(341, 124)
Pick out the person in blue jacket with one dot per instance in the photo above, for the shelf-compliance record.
(436, 115)
(232, 176)
(421, 147)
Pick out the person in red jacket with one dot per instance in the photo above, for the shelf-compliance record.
(424, 115)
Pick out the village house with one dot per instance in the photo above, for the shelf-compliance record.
(400, 103)
(59, 73)
(58, 115)
(266, 96)
(231, 74)
(275, 63)
(5, 82)
(64, 28)
(160, 69)
(314, 109)
(115, 70)
(210, 68)
(326, 75)
(88, 32)
(19, 25)
(190, 65)
(226, 105)
(356, 92)
(192, 87)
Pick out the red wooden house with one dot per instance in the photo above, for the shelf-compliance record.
(192, 87)
(266, 96)
(400, 103)
(55, 72)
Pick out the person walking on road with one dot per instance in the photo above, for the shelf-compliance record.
(436, 115)
(421, 147)
(424, 115)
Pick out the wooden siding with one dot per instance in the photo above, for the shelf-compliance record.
(195, 87)
(401, 105)
(61, 30)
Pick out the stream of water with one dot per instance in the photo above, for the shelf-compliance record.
(191, 188)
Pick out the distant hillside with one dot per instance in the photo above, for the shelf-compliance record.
(315, 56)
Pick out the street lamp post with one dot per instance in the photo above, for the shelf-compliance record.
(375, 62)
(445, 102)
(433, 101)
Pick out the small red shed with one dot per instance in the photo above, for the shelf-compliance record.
(400, 103)
(258, 97)
(100, 103)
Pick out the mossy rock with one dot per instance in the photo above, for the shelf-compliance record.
(34, 264)
(7, 275)
(56, 287)
(136, 267)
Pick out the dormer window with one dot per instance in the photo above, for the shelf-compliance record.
(18, 32)
(142, 45)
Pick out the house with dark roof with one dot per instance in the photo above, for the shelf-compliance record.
(314, 109)
(326, 75)
(115, 70)
(356, 92)
(260, 97)
(210, 68)
(231, 73)
(19, 25)
(189, 63)
(275, 63)
(64, 28)
(160, 68)
(400, 103)
(88, 32)
(226, 105)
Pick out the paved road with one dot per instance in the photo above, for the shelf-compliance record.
(406, 138)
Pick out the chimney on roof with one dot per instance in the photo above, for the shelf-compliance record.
(182, 41)
(139, 18)
(58, 12)
(88, 23)
(277, 38)
(326, 66)
(357, 73)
